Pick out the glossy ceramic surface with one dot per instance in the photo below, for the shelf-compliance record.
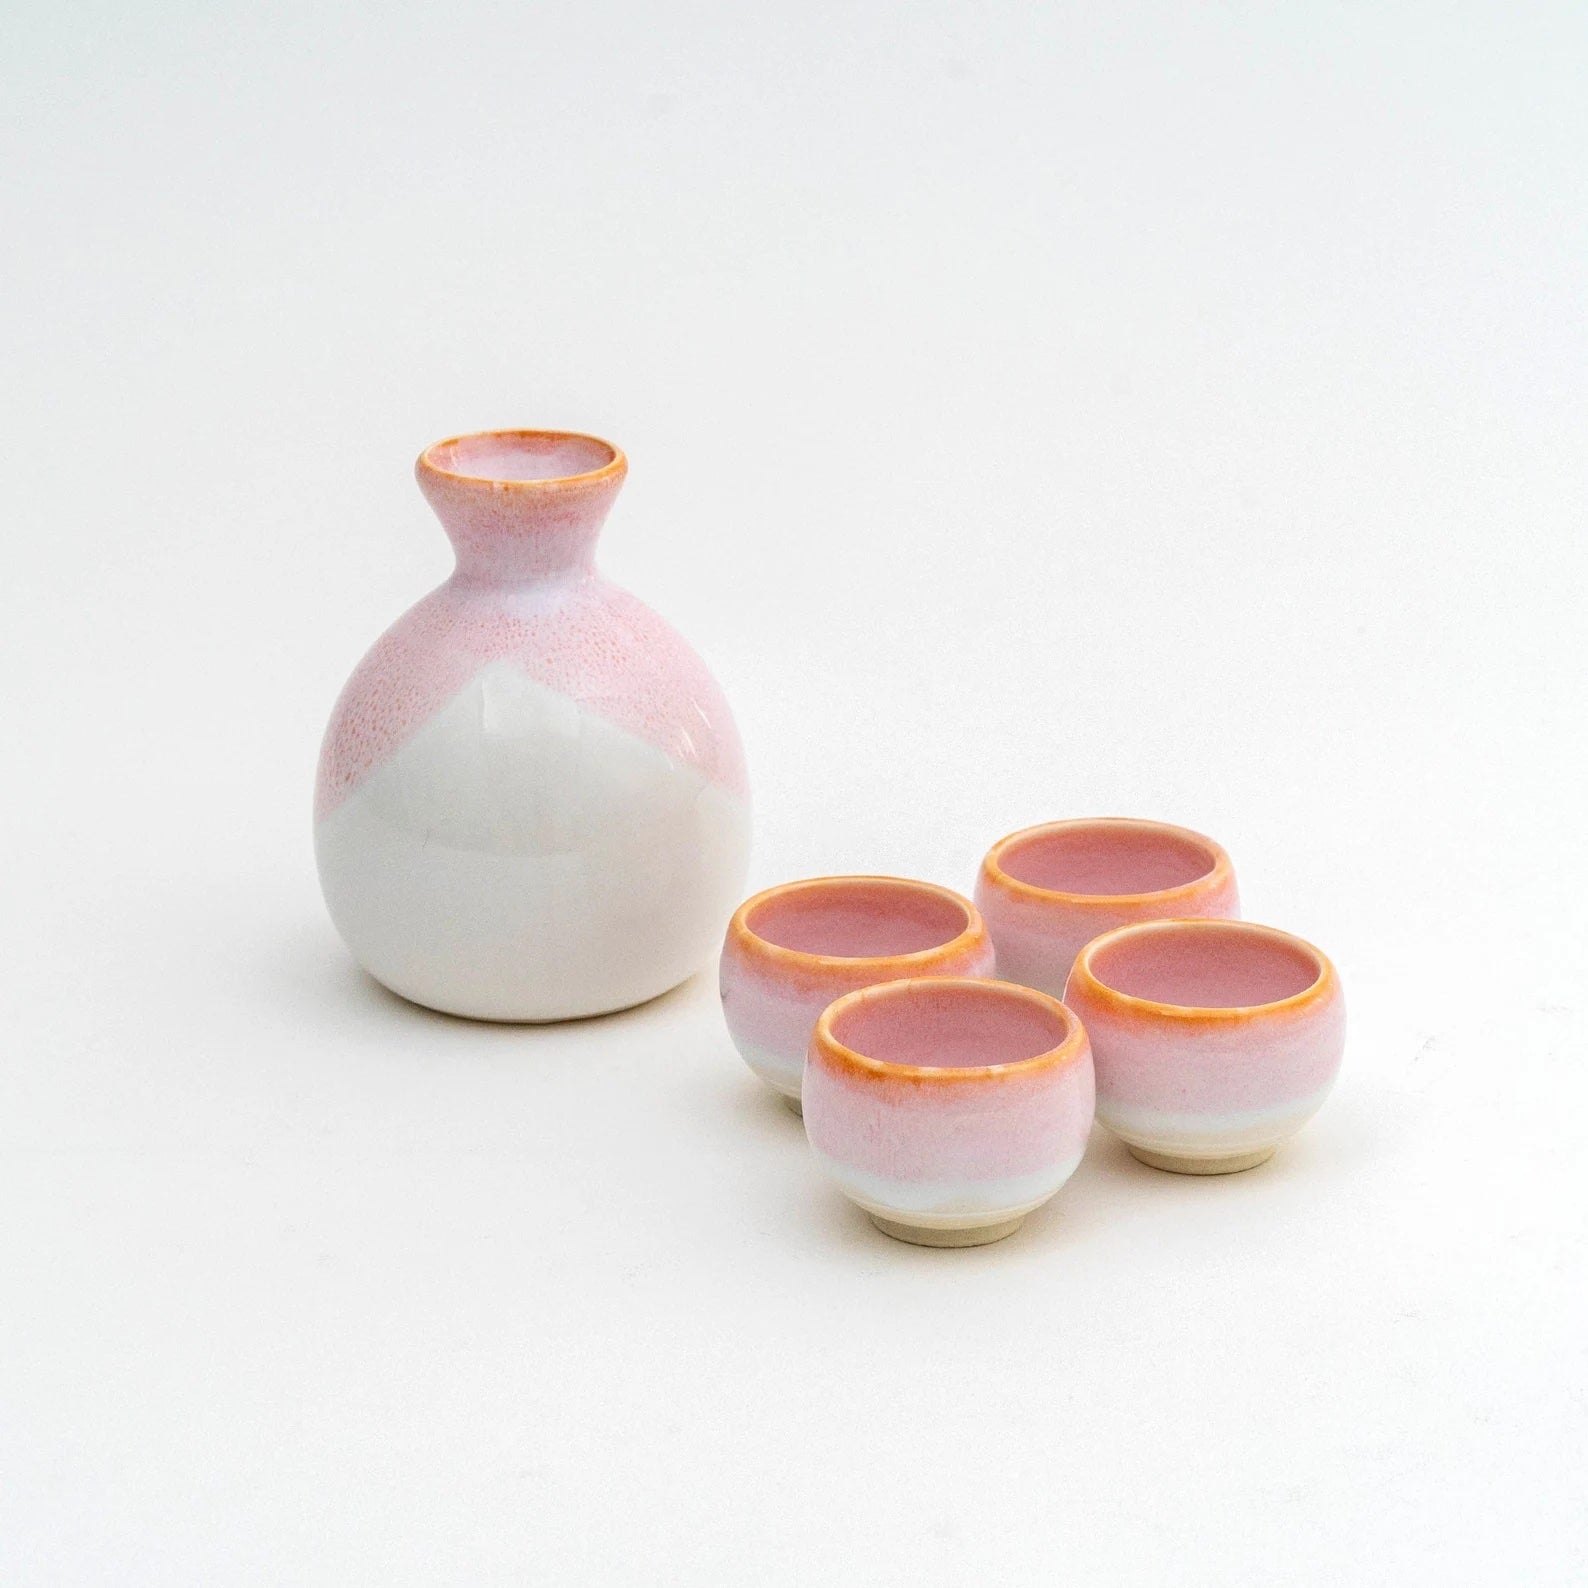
(1213, 1040)
(531, 801)
(1046, 892)
(790, 951)
(948, 1110)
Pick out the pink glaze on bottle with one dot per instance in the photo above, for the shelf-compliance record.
(526, 591)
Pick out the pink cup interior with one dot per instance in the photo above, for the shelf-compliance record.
(520, 456)
(1107, 858)
(949, 1025)
(1205, 965)
(858, 918)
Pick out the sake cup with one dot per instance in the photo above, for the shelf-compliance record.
(793, 949)
(1213, 1040)
(1046, 892)
(948, 1109)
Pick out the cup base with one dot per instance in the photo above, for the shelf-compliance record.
(1176, 1163)
(974, 1235)
(792, 1104)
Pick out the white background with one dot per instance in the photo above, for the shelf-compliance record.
(1167, 410)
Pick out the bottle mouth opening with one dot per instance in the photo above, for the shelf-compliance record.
(545, 459)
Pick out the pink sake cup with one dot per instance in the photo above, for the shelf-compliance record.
(793, 949)
(1046, 892)
(948, 1109)
(1214, 1041)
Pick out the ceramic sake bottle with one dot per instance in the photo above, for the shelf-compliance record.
(531, 801)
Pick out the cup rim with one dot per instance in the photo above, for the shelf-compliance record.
(1068, 1051)
(974, 933)
(1217, 875)
(615, 467)
(1323, 986)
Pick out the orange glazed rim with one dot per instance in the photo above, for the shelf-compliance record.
(1323, 987)
(1219, 872)
(1067, 1051)
(747, 939)
(614, 468)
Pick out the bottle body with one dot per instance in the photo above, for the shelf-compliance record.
(531, 802)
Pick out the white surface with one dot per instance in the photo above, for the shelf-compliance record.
(1174, 411)
(521, 858)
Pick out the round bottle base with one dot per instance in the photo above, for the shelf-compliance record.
(1176, 1163)
(976, 1235)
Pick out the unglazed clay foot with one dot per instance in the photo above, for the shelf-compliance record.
(925, 1235)
(1178, 1163)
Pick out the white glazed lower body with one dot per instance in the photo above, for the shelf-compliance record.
(521, 858)
(782, 1073)
(943, 1212)
(1206, 1143)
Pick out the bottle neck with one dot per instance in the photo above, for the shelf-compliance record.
(519, 528)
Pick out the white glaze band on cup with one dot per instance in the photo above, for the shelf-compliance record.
(1214, 1041)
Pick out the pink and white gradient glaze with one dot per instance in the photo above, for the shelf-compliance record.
(948, 1109)
(531, 801)
(1046, 892)
(791, 950)
(1214, 1041)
